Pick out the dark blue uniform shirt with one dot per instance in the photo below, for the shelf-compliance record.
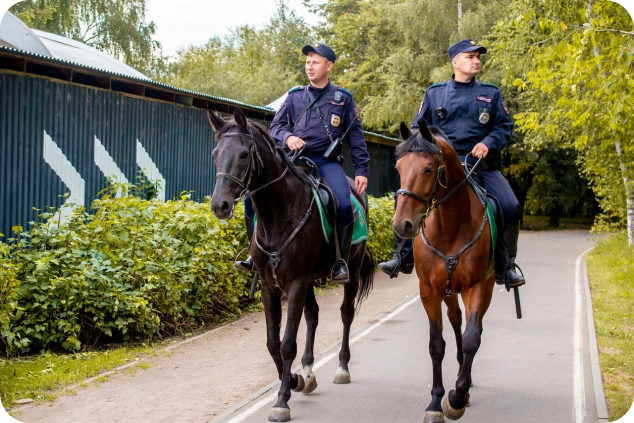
(338, 115)
(468, 113)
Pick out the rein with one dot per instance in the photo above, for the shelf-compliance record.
(276, 256)
(451, 261)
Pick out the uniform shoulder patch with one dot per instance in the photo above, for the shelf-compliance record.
(297, 88)
(343, 90)
(486, 84)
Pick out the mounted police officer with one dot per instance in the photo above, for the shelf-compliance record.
(476, 120)
(318, 117)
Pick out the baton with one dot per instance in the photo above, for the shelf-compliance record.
(254, 286)
(518, 306)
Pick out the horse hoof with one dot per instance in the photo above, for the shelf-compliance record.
(434, 417)
(450, 412)
(310, 384)
(279, 414)
(342, 376)
(300, 384)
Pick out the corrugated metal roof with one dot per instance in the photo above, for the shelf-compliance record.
(15, 33)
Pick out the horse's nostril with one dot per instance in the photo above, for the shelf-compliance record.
(224, 207)
(408, 227)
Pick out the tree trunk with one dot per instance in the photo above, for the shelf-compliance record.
(459, 17)
(553, 221)
(629, 191)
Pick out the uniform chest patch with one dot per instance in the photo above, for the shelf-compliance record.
(483, 98)
(484, 115)
(335, 120)
(337, 103)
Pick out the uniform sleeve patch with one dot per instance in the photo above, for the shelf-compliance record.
(357, 115)
(483, 98)
(505, 107)
(279, 108)
(420, 109)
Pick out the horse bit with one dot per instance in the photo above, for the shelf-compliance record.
(276, 256)
(451, 261)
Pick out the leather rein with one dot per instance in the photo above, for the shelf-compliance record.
(431, 203)
(276, 256)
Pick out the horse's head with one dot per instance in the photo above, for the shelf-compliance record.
(236, 157)
(419, 163)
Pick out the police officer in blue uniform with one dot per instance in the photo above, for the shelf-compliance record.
(316, 117)
(476, 120)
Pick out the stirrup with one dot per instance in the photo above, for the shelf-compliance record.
(332, 279)
(243, 268)
(507, 279)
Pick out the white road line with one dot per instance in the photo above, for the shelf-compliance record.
(260, 404)
(579, 392)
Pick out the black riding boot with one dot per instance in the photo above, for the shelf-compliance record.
(505, 263)
(340, 268)
(406, 259)
(246, 265)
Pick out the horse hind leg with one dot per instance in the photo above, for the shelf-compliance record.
(342, 375)
(307, 379)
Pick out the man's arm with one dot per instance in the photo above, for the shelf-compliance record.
(502, 125)
(423, 114)
(358, 148)
(282, 118)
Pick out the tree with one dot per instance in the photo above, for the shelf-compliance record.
(572, 68)
(117, 27)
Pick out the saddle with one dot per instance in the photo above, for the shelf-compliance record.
(327, 204)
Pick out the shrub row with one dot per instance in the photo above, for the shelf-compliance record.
(135, 269)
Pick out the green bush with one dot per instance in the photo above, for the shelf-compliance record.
(135, 269)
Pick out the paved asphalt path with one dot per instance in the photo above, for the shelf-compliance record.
(523, 372)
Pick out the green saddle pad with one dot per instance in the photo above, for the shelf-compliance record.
(360, 229)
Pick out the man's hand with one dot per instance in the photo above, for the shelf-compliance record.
(480, 150)
(360, 183)
(295, 143)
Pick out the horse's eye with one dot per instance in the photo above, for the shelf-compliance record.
(244, 155)
(429, 170)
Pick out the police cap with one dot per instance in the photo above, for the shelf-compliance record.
(464, 46)
(320, 49)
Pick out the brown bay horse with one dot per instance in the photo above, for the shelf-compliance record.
(288, 248)
(452, 251)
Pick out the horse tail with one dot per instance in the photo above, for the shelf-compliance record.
(366, 277)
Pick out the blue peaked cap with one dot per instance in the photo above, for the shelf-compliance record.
(464, 46)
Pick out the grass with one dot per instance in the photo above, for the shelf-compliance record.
(40, 377)
(540, 223)
(611, 275)
(43, 377)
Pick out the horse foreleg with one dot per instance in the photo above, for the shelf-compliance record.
(272, 301)
(433, 307)
(281, 412)
(342, 375)
(311, 314)
(477, 301)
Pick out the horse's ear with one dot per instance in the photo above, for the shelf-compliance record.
(425, 132)
(216, 121)
(404, 131)
(241, 119)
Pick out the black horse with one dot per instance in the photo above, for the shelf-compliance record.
(288, 247)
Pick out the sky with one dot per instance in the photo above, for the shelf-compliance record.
(183, 22)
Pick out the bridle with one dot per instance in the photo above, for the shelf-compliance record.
(276, 256)
(254, 154)
(451, 261)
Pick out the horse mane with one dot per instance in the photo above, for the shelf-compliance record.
(285, 161)
(416, 143)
